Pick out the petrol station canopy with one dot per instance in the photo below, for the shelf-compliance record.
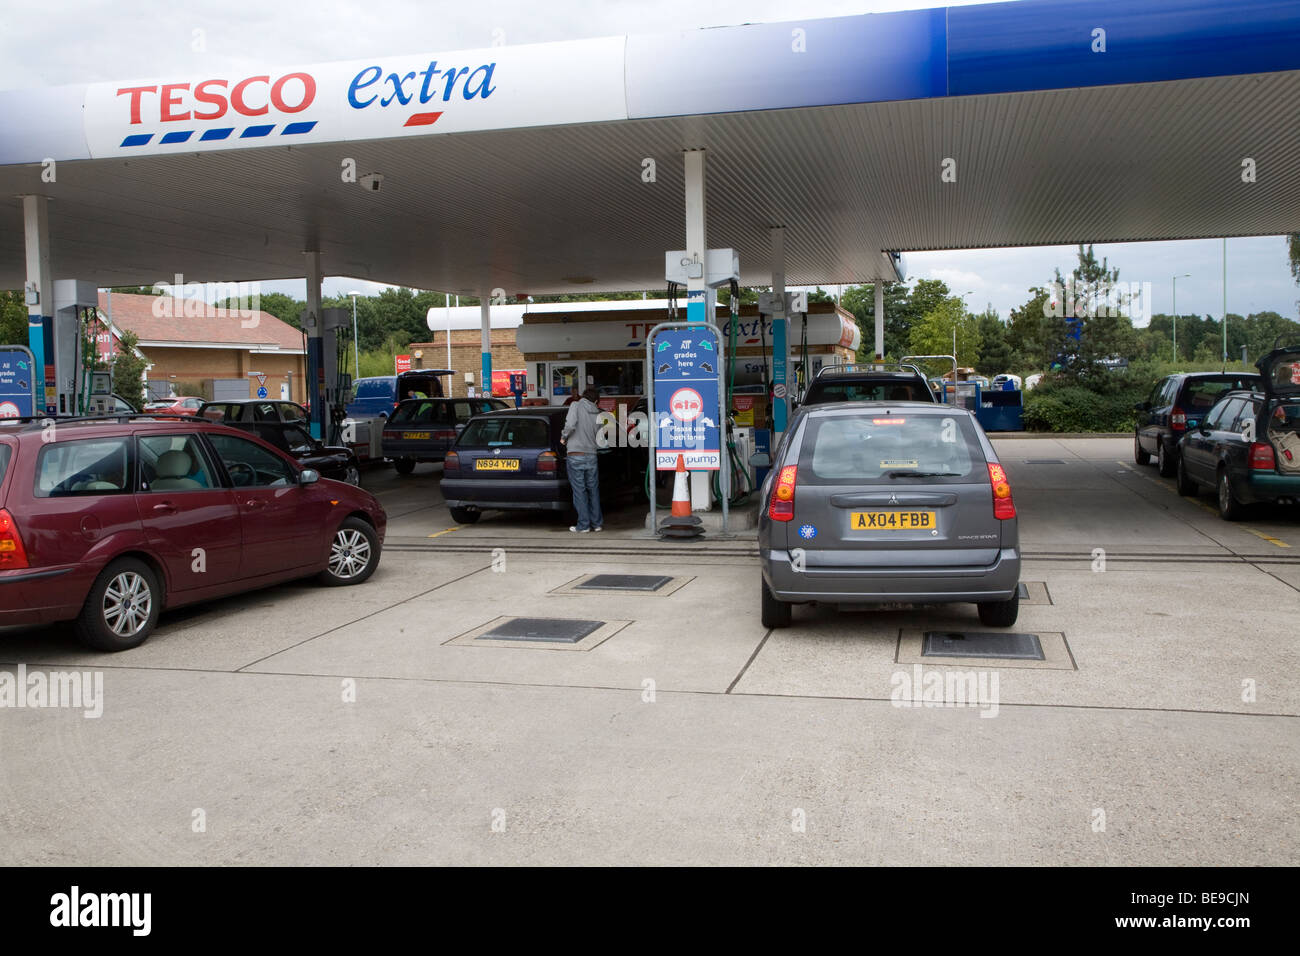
(525, 168)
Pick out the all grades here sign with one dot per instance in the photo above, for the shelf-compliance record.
(685, 368)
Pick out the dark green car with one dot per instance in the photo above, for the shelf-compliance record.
(1247, 447)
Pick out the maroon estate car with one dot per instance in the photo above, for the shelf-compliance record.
(109, 521)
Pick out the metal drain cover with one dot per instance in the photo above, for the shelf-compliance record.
(541, 629)
(624, 582)
(989, 644)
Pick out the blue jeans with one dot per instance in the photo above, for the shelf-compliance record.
(584, 480)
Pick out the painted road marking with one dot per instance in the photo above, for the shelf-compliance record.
(1201, 504)
(438, 534)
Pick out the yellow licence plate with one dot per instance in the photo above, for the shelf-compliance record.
(496, 464)
(892, 520)
(412, 436)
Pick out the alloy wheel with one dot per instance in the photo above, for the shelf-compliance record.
(128, 602)
(349, 554)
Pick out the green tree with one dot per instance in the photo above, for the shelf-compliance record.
(128, 370)
(996, 355)
(1293, 253)
(933, 335)
(904, 308)
(136, 290)
(1028, 331)
(13, 319)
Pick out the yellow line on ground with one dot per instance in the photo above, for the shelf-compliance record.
(438, 534)
(1201, 504)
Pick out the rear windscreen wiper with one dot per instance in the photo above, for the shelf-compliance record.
(922, 474)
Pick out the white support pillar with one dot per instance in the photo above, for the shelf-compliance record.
(485, 343)
(315, 384)
(696, 239)
(40, 315)
(697, 285)
(880, 319)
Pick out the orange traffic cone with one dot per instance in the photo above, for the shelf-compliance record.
(681, 523)
(681, 490)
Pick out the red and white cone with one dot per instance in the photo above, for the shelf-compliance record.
(681, 490)
(680, 523)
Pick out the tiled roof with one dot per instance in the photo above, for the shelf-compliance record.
(164, 319)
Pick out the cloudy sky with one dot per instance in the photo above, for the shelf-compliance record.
(77, 41)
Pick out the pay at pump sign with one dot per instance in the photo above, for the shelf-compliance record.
(684, 365)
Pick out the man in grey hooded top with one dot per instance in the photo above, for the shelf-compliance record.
(579, 438)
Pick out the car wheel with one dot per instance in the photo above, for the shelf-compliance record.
(1186, 487)
(354, 554)
(774, 613)
(353, 476)
(1230, 509)
(1000, 613)
(1166, 461)
(464, 515)
(121, 608)
(1140, 456)
(404, 466)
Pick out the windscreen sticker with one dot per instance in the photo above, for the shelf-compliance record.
(890, 463)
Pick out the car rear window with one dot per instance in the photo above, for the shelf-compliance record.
(1199, 395)
(507, 433)
(871, 392)
(6, 452)
(422, 412)
(882, 448)
(93, 467)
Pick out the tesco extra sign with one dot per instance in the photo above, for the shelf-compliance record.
(212, 99)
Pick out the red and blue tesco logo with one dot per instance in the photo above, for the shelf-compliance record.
(217, 99)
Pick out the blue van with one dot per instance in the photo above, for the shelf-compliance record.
(378, 396)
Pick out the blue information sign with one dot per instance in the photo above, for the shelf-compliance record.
(261, 391)
(16, 382)
(685, 365)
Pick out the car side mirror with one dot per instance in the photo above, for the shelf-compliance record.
(1202, 428)
(1142, 407)
(308, 476)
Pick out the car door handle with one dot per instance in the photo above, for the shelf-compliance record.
(253, 504)
(164, 508)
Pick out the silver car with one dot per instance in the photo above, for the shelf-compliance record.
(883, 502)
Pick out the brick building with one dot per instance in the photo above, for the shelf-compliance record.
(223, 353)
(467, 357)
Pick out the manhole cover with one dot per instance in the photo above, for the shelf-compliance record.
(541, 629)
(624, 582)
(993, 644)
(1044, 461)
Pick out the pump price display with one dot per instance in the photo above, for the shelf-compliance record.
(684, 365)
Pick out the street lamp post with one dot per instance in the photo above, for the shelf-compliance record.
(1185, 275)
(356, 348)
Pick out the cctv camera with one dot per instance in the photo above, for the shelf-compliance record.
(373, 181)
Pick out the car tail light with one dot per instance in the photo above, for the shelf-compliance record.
(392, 433)
(12, 553)
(547, 462)
(451, 462)
(1261, 457)
(445, 434)
(1178, 419)
(1003, 506)
(781, 507)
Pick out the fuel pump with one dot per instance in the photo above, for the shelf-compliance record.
(75, 305)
